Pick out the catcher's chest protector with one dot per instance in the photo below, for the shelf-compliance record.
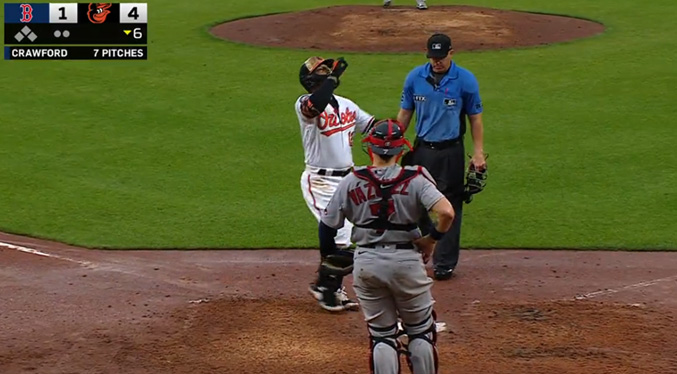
(386, 207)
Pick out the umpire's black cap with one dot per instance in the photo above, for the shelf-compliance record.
(439, 46)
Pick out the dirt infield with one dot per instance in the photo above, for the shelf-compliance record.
(361, 28)
(71, 310)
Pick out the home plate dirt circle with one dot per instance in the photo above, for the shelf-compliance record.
(404, 29)
(66, 309)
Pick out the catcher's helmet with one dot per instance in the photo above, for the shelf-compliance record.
(386, 138)
(314, 71)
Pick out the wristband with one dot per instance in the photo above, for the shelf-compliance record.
(436, 235)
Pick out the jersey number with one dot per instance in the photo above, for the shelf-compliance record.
(133, 13)
(376, 207)
(350, 137)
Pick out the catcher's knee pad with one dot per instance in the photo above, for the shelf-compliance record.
(422, 345)
(385, 349)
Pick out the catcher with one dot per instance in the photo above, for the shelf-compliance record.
(384, 201)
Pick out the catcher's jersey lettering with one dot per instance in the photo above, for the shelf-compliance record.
(328, 137)
(368, 191)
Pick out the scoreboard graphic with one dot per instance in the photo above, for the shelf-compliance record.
(82, 31)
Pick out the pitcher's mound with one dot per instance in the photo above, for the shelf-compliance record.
(404, 29)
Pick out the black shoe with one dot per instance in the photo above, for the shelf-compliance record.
(443, 274)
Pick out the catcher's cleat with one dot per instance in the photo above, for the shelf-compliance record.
(387, 3)
(347, 303)
(422, 7)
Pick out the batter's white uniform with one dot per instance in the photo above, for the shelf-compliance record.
(327, 145)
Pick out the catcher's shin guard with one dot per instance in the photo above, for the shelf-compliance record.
(385, 350)
(422, 346)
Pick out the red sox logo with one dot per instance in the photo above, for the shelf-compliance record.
(331, 124)
(26, 13)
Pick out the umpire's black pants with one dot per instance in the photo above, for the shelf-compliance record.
(446, 164)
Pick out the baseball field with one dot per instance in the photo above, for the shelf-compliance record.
(199, 148)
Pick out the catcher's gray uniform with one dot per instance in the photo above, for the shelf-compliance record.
(389, 275)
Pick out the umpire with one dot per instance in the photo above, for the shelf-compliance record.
(443, 95)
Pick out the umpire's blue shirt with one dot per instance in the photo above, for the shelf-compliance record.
(439, 108)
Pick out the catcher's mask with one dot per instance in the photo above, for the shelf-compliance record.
(386, 138)
(314, 71)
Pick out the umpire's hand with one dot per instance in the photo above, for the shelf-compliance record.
(479, 160)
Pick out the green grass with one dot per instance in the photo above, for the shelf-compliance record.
(199, 146)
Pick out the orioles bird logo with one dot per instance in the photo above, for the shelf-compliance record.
(98, 12)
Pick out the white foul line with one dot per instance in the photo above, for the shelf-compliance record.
(610, 291)
(43, 254)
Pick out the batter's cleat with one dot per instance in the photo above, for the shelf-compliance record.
(315, 291)
(347, 303)
(387, 3)
(332, 303)
(422, 7)
(443, 274)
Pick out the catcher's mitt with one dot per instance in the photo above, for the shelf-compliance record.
(475, 181)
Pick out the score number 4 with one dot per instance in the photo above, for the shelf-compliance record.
(134, 13)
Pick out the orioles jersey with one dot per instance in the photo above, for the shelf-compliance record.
(328, 137)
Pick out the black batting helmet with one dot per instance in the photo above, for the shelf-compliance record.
(386, 138)
(314, 71)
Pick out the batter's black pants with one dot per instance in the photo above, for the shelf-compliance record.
(446, 163)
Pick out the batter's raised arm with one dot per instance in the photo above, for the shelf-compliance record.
(321, 96)
(315, 103)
